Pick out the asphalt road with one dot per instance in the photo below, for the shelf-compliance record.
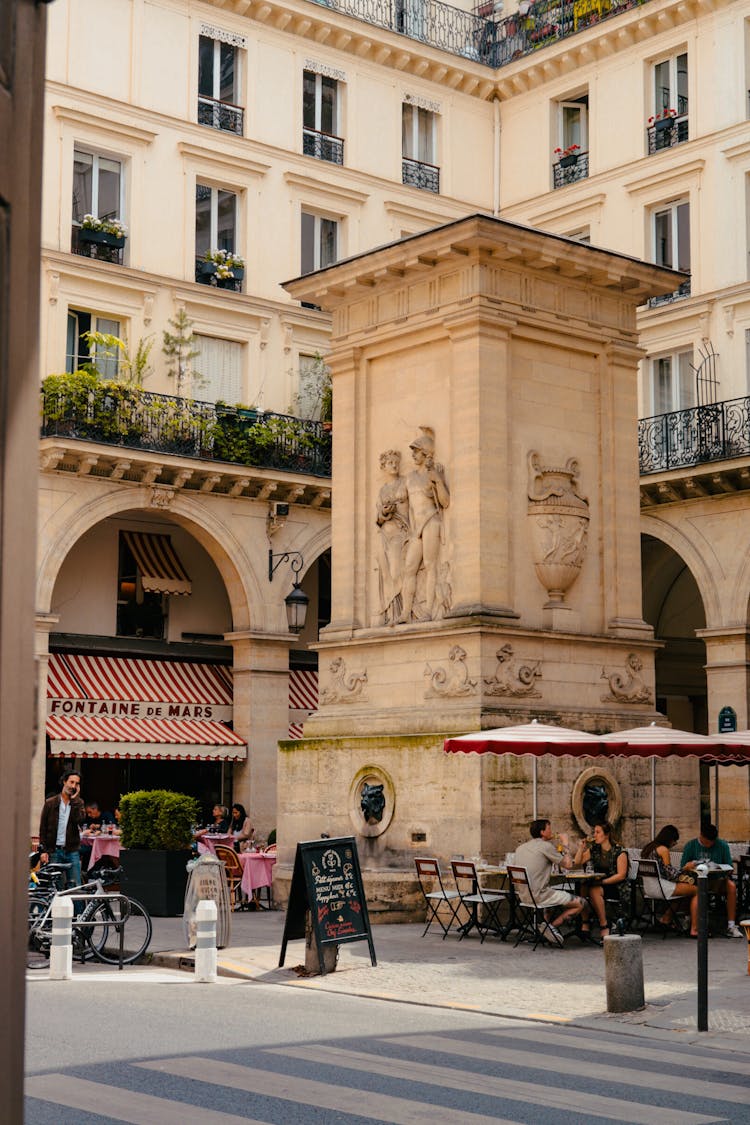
(158, 1048)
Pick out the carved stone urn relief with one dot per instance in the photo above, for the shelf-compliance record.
(559, 522)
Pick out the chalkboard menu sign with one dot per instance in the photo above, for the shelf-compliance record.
(327, 881)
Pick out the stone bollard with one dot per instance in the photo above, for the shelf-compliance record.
(623, 971)
(205, 942)
(745, 925)
(61, 944)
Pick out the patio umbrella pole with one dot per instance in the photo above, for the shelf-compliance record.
(653, 798)
(716, 794)
(534, 811)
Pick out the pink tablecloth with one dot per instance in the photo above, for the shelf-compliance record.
(102, 845)
(208, 843)
(257, 870)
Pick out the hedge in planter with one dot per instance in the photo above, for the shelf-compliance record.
(157, 833)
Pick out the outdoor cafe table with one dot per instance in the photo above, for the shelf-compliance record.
(257, 871)
(208, 842)
(101, 845)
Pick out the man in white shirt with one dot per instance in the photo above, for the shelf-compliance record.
(538, 855)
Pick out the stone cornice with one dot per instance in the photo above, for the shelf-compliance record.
(341, 193)
(699, 482)
(226, 160)
(123, 130)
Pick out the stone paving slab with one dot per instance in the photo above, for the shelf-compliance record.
(558, 985)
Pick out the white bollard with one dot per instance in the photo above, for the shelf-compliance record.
(205, 942)
(61, 945)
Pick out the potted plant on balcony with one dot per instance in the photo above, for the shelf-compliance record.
(664, 120)
(223, 266)
(157, 836)
(106, 232)
(567, 157)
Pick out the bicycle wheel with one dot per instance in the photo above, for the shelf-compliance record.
(39, 931)
(104, 937)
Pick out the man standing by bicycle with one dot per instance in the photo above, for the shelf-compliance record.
(59, 835)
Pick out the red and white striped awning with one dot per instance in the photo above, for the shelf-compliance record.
(90, 736)
(75, 676)
(160, 569)
(303, 698)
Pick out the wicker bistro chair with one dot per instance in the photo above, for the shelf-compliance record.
(228, 857)
(530, 921)
(482, 905)
(657, 890)
(428, 874)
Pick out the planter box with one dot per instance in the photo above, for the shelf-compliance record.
(102, 237)
(568, 161)
(157, 879)
(664, 123)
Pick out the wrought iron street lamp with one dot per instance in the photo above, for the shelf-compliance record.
(296, 601)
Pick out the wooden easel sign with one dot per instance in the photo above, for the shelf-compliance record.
(327, 881)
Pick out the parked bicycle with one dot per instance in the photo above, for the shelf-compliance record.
(96, 926)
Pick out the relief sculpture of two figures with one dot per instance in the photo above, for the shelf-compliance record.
(413, 574)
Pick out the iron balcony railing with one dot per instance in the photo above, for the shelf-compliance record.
(492, 42)
(667, 133)
(698, 434)
(570, 171)
(323, 146)
(682, 290)
(119, 415)
(96, 244)
(220, 115)
(418, 174)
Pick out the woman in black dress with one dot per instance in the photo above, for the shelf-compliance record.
(610, 861)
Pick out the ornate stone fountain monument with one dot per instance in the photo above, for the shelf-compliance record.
(486, 554)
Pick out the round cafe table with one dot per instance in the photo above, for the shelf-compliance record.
(257, 871)
(208, 842)
(102, 845)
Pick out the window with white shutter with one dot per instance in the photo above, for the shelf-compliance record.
(218, 370)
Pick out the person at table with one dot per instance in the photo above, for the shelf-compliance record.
(96, 819)
(219, 826)
(708, 847)
(610, 861)
(539, 855)
(658, 849)
(241, 828)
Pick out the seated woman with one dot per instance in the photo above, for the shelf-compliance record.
(611, 862)
(241, 828)
(219, 825)
(659, 849)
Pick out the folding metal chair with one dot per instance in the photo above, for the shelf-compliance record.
(482, 905)
(659, 890)
(530, 919)
(428, 874)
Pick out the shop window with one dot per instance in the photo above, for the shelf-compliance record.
(140, 613)
(218, 83)
(79, 352)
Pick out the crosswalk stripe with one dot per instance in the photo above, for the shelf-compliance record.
(118, 1104)
(530, 1093)
(720, 1061)
(308, 1091)
(577, 1068)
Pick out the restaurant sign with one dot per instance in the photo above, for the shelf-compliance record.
(139, 709)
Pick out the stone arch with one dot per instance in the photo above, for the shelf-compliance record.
(705, 580)
(315, 547)
(738, 611)
(221, 544)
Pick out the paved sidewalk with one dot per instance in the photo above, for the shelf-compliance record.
(559, 985)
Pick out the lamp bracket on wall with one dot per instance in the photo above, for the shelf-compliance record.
(294, 558)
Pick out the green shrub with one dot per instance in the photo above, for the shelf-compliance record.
(158, 818)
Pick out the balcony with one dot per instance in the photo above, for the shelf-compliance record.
(694, 436)
(83, 408)
(491, 42)
(667, 133)
(570, 169)
(206, 274)
(418, 174)
(220, 115)
(668, 298)
(97, 244)
(323, 146)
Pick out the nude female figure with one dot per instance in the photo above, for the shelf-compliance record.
(392, 518)
(428, 497)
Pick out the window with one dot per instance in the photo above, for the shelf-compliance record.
(77, 350)
(320, 118)
(571, 158)
(139, 612)
(215, 229)
(218, 85)
(672, 383)
(419, 148)
(314, 385)
(98, 190)
(668, 125)
(671, 244)
(217, 370)
(583, 234)
(319, 242)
